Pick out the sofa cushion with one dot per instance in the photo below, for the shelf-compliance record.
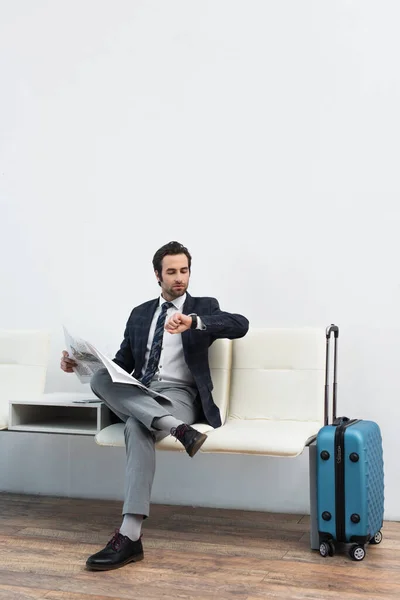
(220, 360)
(278, 374)
(272, 438)
(18, 382)
(113, 435)
(24, 347)
(23, 362)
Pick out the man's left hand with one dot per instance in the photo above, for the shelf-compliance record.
(178, 323)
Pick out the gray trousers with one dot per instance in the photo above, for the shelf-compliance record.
(138, 410)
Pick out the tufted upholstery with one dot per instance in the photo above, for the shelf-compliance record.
(23, 365)
(269, 387)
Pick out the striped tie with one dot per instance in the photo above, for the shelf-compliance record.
(156, 346)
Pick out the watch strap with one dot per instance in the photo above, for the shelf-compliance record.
(194, 321)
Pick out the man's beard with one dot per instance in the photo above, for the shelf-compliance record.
(175, 292)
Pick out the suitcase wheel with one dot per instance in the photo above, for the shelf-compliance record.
(357, 552)
(377, 538)
(326, 549)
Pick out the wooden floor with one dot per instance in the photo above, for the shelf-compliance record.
(190, 553)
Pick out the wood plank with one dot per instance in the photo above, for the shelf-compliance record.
(8, 529)
(10, 592)
(345, 578)
(54, 595)
(319, 590)
(285, 592)
(100, 538)
(109, 584)
(75, 505)
(102, 524)
(203, 522)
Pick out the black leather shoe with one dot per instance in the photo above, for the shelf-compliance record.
(189, 437)
(119, 551)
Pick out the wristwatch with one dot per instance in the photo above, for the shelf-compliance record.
(194, 320)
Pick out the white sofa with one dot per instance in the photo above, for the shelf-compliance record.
(269, 387)
(23, 365)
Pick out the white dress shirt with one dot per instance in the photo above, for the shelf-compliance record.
(172, 366)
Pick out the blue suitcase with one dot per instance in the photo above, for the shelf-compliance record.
(350, 485)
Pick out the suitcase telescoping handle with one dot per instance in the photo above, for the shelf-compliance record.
(331, 329)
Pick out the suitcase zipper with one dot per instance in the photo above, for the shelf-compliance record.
(339, 478)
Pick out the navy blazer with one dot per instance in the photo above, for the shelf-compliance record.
(195, 342)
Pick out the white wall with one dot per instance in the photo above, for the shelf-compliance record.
(263, 135)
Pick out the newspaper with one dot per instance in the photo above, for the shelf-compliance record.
(89, 360)
(87, 363)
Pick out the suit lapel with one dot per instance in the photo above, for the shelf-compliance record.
(186, 310)
(144, 331)
(188, 305)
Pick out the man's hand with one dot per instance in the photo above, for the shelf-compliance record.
(67, 363)
(178, 323)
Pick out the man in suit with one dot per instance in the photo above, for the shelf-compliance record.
(165, 346)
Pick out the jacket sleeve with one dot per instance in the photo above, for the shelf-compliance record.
(124, 357)
(220, 324)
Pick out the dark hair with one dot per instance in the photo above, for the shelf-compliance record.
(170, 248)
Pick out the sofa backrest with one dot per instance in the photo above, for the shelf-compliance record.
(278, 374)
(23, 365)
(220, 360)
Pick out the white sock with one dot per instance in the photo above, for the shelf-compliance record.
(166, 423)
(132, 526)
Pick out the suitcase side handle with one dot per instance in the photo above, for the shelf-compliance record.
(331, 329)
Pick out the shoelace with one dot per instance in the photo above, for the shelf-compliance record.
(116, 540)
(179, 432)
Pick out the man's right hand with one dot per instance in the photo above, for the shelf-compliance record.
(67, 363)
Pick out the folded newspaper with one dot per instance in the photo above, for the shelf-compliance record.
(89, 360)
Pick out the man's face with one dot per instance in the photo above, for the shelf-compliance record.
(174, 276)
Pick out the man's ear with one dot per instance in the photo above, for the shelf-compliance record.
(158, 278)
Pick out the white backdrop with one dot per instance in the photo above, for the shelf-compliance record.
(263, 135)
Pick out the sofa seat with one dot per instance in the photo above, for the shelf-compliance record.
(259, 436)
(272, 438)
(113, 435)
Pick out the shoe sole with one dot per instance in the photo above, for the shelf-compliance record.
(136, 558)
(197, 445)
